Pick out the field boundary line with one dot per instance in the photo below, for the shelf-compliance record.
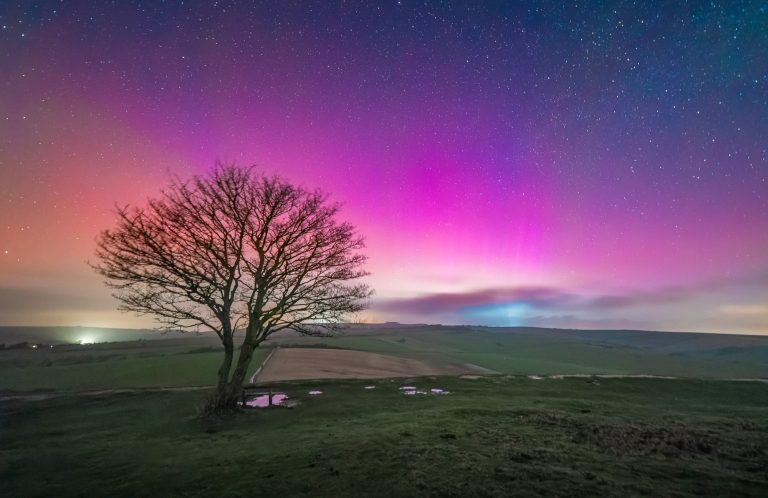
(263, 363)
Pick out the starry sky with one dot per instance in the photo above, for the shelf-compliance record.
(566, 164)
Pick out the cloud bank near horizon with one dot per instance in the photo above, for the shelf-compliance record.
(550, 306)
(725, 304)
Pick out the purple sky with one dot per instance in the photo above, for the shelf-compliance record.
(534, 164)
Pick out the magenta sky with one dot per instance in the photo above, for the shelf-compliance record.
(532, 165)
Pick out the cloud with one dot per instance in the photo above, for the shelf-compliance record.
(679, 293)
(643, 298)
(537, 304)
(758, 279)
(15, 300)
(539, 298)
(744, 309)
(431, 304)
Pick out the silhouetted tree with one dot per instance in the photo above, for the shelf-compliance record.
(235, 249)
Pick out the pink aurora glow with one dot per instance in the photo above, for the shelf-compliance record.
(462, 182)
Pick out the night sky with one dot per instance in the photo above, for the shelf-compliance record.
(593, 165)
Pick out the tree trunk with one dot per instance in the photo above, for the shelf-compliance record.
(226, 366)
(238, 376)
(227, 395)
(228, 389)
(219, 402)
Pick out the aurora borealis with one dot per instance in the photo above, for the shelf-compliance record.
(585, 165)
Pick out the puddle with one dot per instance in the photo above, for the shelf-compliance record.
(315, 393)
(262, 401)
(408, 388)
(412, 391)
(369, 387)
(535, 377)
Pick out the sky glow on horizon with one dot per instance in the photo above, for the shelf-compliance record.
(595, 166)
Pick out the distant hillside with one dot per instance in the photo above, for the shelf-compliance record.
(68, 335)
(693, 344)
(728, 348)
(661, 341)
(515, 351)
(508, 348)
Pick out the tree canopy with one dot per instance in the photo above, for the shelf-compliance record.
(235, 249)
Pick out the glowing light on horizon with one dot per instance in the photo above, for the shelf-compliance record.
(87, 339)
(506, 314)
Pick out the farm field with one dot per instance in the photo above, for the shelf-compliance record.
(187, 362)
(492, 436)
(497, 435)
(549, 351)
(317, 363)
(192, 360)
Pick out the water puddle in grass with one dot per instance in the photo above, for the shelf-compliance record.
(412, 391)
(315, 393)
(262, 401)
(369, 387)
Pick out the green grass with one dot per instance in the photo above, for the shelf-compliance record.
(495, 436)
(193, 361)
(523, 353)
(60, 371)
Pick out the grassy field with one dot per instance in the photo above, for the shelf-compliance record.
(493, 436)
(192, 360)
(543, 353)
(499, 435)
(112, 366)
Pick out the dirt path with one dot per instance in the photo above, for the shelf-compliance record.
(317, 363)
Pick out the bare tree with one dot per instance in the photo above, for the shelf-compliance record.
(235, 249)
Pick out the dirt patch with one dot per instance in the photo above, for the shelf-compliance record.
(314, 363)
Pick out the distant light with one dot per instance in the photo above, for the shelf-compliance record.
(86, 339)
